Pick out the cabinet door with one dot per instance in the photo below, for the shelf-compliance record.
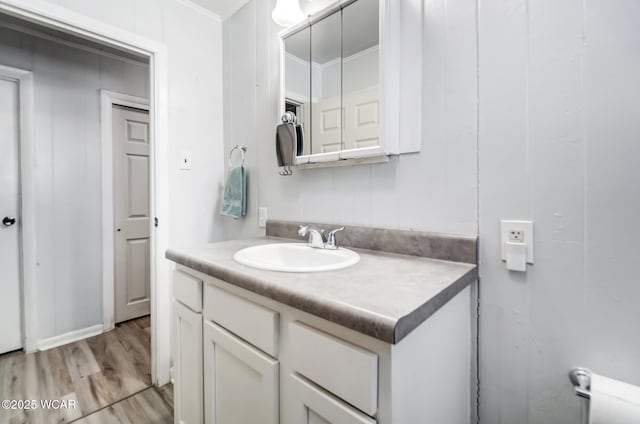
(241, 382)
(188, 396)
(313, 405)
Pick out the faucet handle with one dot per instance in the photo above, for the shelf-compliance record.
(331, 238)
(303, 230)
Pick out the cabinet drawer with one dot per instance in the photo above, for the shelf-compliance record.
(312, 405)
(348, 371)
(249, 321)
(187, 289)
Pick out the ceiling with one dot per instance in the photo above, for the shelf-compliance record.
(223, 8)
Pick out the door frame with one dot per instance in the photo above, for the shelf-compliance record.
(57, 17)
(26, 223)
(109, 99)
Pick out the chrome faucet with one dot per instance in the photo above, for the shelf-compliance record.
(315, 235)
(331, 239)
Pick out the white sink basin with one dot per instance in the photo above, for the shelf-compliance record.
(295, 257)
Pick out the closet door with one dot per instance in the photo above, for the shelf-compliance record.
(10, 225)
(240, 381)
(131, 209)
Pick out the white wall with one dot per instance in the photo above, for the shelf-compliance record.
(559, 144)
(242, 82)
(361, 70)
(354, 73)
(433, 190)
(559, 123)
(67, 84)
(358, 72)
(194, 52)
(298, 78)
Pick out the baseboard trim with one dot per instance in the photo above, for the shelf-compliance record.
(70, 337)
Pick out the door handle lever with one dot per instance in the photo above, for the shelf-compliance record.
(8, 221)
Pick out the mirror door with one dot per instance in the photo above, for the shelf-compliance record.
(360, 76)
(297, 96)
(326, 85)
(332, 83)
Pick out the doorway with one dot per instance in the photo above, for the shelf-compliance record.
(11, 336)
(104, 37)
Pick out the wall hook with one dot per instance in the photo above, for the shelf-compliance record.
(286, 171)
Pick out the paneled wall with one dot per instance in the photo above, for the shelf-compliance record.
(559, 144)
(434, 190)
(543, 119)
(67, 84)
(193, 39)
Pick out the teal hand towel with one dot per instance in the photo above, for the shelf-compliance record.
(234, 199)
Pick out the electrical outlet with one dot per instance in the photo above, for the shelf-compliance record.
(516, 236)
(517, 232)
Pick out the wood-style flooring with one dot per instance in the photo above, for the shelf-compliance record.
(152, 405)
(108, 376)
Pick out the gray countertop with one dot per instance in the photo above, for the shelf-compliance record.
(385, 295)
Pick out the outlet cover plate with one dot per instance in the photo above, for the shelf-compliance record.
(262, 217)
(525, 228)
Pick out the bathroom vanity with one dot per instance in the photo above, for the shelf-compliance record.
(387, 340)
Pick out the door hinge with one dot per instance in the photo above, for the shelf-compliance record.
(155, 222)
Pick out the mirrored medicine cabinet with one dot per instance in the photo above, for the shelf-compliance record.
(347, 72)
(331, 82)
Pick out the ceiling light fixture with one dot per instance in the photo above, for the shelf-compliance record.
(287, 13)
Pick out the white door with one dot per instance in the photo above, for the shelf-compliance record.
(188, 400)
(132, 221)
(10, 248)
(326, 121)
(362, 119)
(240, 382)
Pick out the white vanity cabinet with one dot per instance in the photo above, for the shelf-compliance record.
(187, 349)
(313, 405)
(241, 373)
(240, 382)
(261, 361)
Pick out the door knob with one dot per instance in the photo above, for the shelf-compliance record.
(8, 221)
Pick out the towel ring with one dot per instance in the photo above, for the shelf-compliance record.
(243, 150)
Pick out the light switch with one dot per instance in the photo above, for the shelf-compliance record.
(185, 161)
(516, 241)
(262, 217)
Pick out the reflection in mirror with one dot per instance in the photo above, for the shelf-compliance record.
(360, 75)
(298, 84)
(326, 111)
